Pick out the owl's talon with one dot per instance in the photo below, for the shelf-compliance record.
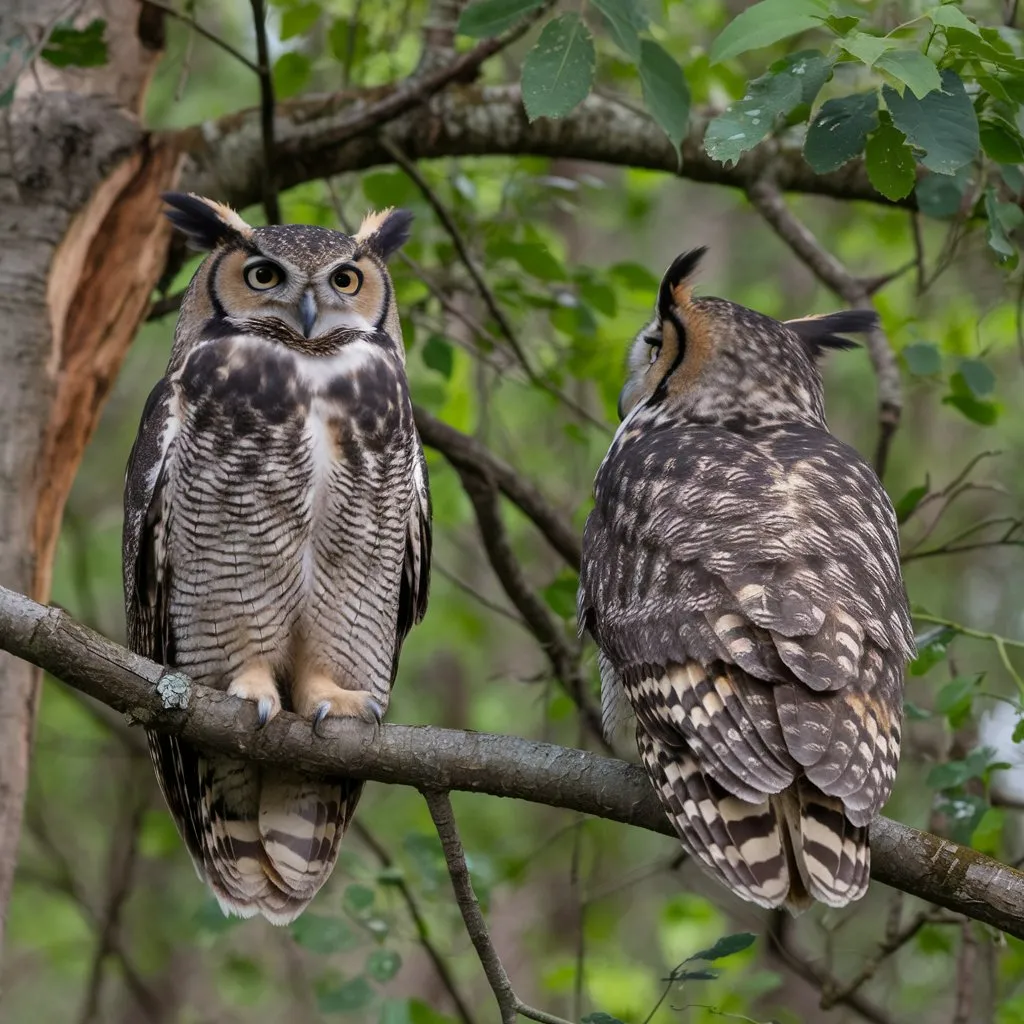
(323, 709)
(265, 710)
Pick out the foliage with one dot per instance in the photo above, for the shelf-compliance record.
(594, 918)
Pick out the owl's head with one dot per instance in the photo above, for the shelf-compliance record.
(307, 287)
(713, 361)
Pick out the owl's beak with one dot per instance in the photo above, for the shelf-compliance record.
(307, 312)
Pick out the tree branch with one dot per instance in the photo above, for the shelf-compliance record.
(271, 204)
(918, 863)
(768, 200)
(469, 906)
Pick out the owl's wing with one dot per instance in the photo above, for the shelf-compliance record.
(778, 555)
(146, 586)
(415, 584)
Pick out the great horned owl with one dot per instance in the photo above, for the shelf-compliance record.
(277, 528)
(741, 577)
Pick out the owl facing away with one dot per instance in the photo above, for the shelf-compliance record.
(741, 578)
(277, 529)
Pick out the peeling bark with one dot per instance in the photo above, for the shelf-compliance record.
(81, 247)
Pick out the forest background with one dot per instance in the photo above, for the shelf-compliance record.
(557, 157)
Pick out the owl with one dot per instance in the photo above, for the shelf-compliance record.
(741, 578)
(277, 529)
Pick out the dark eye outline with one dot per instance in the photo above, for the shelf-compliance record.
(257, 286)
(347, 268)
(655, 341)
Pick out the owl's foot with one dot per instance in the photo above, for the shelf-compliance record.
(318, 697)
(256, 683)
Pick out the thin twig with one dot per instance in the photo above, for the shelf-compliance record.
(965, 974)
(509, 1004)
(271, 204)
(480, 599)
(768, 200)
(422, 931)
(205, 33)
(550, 634)
(486, 294)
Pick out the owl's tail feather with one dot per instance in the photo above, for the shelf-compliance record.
(263, 841)
(785, 850)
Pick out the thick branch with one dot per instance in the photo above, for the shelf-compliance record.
(225, 155)
(918, 863)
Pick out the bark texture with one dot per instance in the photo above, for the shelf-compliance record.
(82, 246)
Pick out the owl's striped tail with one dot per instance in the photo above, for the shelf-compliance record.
(784, 851)
(264, 841)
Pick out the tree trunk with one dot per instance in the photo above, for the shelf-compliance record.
(82, 243)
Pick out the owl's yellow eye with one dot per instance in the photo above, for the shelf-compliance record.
(262, 276)
(347, 280)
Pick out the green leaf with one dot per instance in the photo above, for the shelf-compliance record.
(600, 1018)
(962, 398)
(963, 814)
(980, 379)
(890, 162)
(559, 70)
(299, 19)
(387, 188)
(765, 23)
(346, 997)
(906, 505)
(211, 919)
(343, 38)
(865, 47)
(291, 72)
(626, 20)
(725, 946)
(491, 17)
(420, 1013)
(923, 359)
(438, 355)
(1018, 730)
(950, 16)
(359, 898)
(769, 98)
(1000, 221)
(320, 934)
(1001, 142)
(940, 195)
(666, 94)
(839, 131)
(931, 651)
(534, 257)
(955, 693)
(914, 713)
(383, 964)
(943, 124)
(708, 974)
(911, 67)
(70, 47)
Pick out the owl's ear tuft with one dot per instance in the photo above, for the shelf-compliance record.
(677, 282)
(385, 231)
(204, 222)
(823, 332)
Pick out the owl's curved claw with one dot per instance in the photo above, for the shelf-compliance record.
(265, 710)
(323, 709)
(376, 710)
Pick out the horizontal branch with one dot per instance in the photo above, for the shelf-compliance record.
(473, 120)
(426, 757)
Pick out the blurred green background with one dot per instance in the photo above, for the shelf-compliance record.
(587, 915)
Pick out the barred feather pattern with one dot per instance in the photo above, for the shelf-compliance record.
(742, 582)
(276, 514)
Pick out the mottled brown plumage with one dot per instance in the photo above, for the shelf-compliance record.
(741, 577)
(277, 529)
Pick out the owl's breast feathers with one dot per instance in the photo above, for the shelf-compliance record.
(745, 590)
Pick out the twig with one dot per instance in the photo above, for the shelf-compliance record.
(493, 307)
(466, 453)
(422, 932)
(831, 996)
(123, 853)
(447, 831)
(480, 599)
(271, 204)
(549, 633)
(439, 34)
(933, 869)
(965, 974)
(165, 305)
(205, 33)
(354, 23)
(1001, 642)
(768, 200)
